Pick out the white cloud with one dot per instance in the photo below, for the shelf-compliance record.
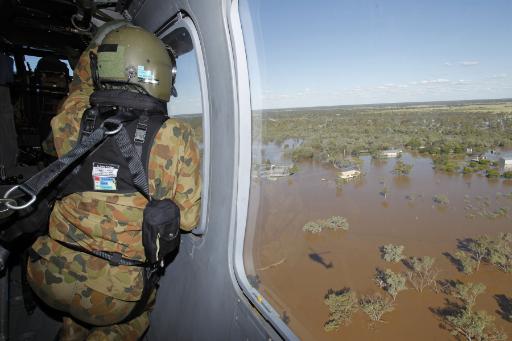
(461, 81)
(501, 75)
(463, 63)
(469, 62)
(433, 81)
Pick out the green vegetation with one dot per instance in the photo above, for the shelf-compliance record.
(499, 252)
(342, 305)
(446, 164)
(476, 166)
(492, 173)
(313, 227)
(507, 175)
(482, 207)
(478, 249)
(302, 153)
(422, 273)
(333, 223)
(294, 169)
(467, 264)
(391, 282)
(435, 129)
(402, 168)
(463, 321)
(468, 170)
(375, 306)
(467, 293)
(337, 223)
(392, 253)
(441, 200)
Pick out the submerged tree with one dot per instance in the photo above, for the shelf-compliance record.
(337, 223)
(342, 305)
(467, 264)
(294, 169)
(402, 168)
(312, 227)
(422, 273)
(467, 293)
(391, 282)
(479, 249)
(375, 306)
(474, 326)
(333, 223)
(500, 252)
(463, 321)
(441, 200)
(392, 253)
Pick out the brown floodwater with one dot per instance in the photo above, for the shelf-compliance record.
(296, 268)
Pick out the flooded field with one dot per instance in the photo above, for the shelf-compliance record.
(295, 269)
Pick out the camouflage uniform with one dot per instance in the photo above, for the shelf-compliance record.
(88, 288)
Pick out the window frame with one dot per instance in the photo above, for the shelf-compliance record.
(244, 164)
(183, 21)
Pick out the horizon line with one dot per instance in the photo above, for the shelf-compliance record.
(325, 107)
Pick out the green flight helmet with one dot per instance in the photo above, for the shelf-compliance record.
(134, 58)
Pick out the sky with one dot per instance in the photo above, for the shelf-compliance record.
(188, 87)
(320, 53)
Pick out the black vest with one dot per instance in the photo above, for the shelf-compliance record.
(105, 169)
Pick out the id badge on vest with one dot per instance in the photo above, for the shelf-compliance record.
(104, 176)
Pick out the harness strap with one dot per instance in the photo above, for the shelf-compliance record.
(140, 180)
(140, 134)
(151, 277)
(45, 177)
(114, 258)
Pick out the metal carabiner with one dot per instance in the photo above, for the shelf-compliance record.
(22, 188)
(4, 210)
(112, 132)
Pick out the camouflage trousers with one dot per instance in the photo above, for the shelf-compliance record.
(91, 315)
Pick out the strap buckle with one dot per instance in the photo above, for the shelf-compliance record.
(23, 189)
(90, 122)
(140, 131)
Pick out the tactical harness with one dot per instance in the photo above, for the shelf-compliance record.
(112, 156)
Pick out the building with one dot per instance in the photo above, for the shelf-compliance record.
(391, 153)
(275, 171)
(478, 157)
(349, 173)
(505, 163)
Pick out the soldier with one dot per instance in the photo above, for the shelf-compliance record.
(96, 295)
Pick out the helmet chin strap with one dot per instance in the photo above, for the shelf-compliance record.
(94, 70)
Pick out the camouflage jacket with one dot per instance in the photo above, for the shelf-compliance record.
(108, 222)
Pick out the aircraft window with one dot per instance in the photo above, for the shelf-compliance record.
(380, 202)
(31, 62)
(10, 63)
(191, 104)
